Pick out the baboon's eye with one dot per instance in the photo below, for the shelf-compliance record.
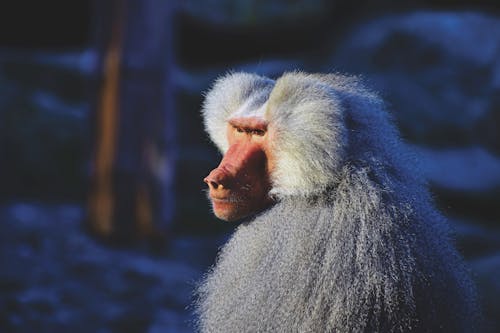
(258, 132)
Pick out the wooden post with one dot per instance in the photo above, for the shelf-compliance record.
(134, 146)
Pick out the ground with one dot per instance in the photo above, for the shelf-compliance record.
(56, 278)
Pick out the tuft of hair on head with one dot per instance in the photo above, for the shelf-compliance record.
(228, 95)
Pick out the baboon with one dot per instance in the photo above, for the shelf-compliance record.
(338, 231)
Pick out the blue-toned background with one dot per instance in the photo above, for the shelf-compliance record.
(104, 224)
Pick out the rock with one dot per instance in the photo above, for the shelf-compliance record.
(166, 321)
(253, 12)
(460, 169)
(43, 114)
(440, 72)
(474, 241)
(465, 181)
(487, 271)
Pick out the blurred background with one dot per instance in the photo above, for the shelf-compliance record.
(104, 224)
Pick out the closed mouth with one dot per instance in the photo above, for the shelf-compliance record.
(224, 198)
(227, 199)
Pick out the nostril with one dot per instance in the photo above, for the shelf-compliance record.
(217, 179)
(213, 184)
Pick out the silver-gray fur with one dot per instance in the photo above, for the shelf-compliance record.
(354, 243)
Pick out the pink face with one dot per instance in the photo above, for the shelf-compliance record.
(240, 185)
